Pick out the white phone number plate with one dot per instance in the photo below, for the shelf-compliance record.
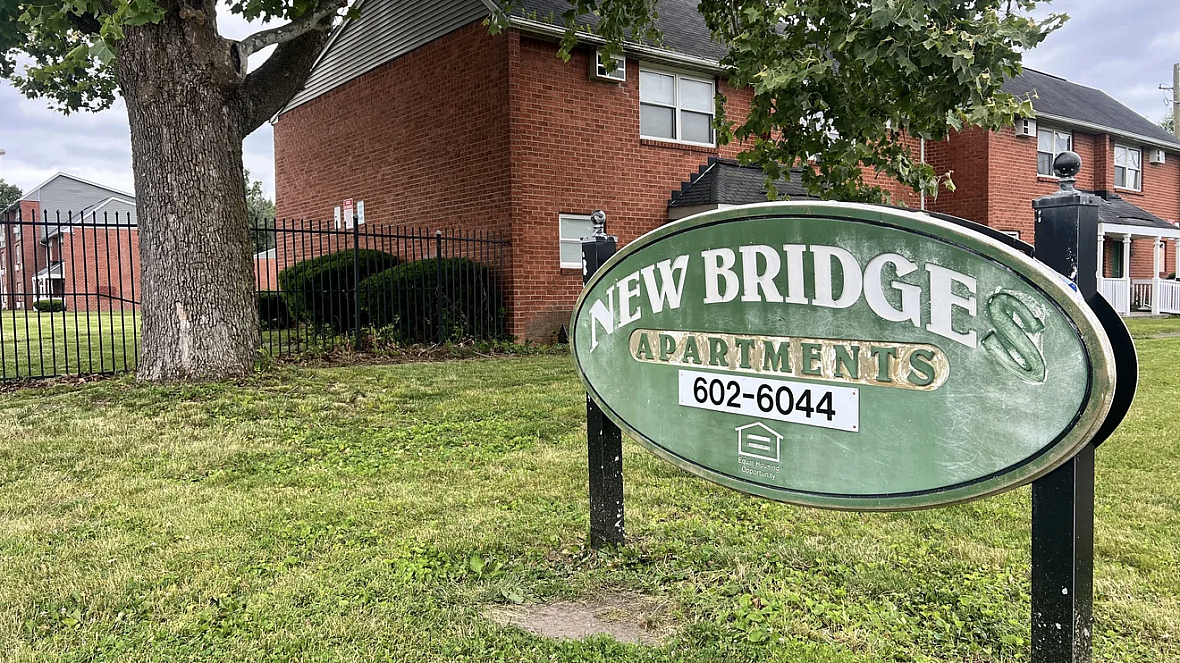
(796, 402)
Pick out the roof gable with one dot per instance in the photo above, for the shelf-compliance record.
(385, 30)
(1059, 98)
(59, 181)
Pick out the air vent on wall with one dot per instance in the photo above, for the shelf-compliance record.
(1026, 127)
(1155, 156)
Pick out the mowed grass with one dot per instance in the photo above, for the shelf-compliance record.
(36, 344)
(371, 513)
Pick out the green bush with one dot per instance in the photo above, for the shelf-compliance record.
(320, 290)
(272, 310)
(406, 299)
(50, 305)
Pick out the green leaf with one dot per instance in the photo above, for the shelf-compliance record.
(102, 52)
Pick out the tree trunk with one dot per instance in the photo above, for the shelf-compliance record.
(198, 310)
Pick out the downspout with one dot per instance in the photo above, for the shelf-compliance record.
(922, 151)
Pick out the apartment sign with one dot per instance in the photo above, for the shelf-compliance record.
(843, 356)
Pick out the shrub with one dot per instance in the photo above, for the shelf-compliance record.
(272, 311)
(406, 299)
(50, 305)
(321, 290)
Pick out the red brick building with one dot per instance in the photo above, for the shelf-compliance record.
(420, 112)
(71, 240)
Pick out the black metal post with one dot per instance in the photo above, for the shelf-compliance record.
(438, 284)
(1063, 501)
(603, 438)
(356, 282)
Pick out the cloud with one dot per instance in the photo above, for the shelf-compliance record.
(1124, 48)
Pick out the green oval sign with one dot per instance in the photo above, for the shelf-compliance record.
(843, 356)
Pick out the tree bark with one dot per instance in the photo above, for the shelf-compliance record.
(190, 103)
(199, 317)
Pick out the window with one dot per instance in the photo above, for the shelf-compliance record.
(1050, 143)
(619, 73)
(1127, 167)
(573, 229)
(674, 107)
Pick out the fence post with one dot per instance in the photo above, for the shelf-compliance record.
(604, 440)
(438, 283)
(356, 282)
(1063, 500)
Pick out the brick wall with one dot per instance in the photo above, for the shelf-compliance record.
(576, 148)
(423, 140)
(996, 176)
(101, 268)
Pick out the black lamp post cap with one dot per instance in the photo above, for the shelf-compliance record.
(1067, 164)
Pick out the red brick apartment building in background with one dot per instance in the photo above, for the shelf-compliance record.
(432, 121)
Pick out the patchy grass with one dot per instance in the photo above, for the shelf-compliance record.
(36, 344)
(374, 513)
(1148, 327)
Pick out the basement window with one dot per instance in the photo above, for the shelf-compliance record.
(675, 107)
(573, 227)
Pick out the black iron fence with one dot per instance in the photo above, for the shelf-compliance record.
(69, 287)
(326, 284)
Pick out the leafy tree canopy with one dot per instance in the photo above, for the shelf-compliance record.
(9, 193)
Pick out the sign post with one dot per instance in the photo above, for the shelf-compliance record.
(1063, 500)
(604, 439)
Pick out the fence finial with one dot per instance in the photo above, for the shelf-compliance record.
(1066, 167)
(598, 218)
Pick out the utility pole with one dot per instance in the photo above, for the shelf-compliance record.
(1175, 98)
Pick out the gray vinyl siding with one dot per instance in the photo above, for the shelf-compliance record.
(115, 211)
(386, 29)
(67, 196)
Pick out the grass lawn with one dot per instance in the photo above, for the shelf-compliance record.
(371, 513)
(36, 344)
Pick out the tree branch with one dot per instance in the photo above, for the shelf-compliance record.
(267, 89)
(285, 33)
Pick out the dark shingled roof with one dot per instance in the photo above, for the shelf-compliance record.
(1057, 96)
(726, 182)
(1113, 209)
(683, 26)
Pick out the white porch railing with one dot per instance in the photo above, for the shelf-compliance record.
(1117, 292)
(1169, 296)
(1141, 295)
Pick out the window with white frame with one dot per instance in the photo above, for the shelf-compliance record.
(1128, 167)
(1050, 143)
(675, 107)
(573, 227)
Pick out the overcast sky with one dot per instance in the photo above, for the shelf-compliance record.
(1125, 48)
